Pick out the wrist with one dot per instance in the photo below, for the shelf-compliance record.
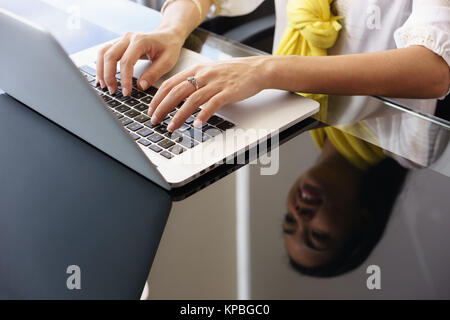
(280, 74)
(178, 34)
(266, 68)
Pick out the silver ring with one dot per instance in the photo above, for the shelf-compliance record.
(193, 81)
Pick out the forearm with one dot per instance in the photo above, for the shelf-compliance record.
(414, 72)
(182, 17)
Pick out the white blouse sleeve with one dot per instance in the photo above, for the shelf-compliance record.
(233, 7)
(428, 26)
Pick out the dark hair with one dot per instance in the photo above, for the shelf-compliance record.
(378, 198)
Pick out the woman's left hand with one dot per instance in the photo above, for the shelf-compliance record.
(219, 83)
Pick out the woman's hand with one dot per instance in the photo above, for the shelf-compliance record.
(162, 46)
(219, 83)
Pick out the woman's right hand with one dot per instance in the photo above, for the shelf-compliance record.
(162, 46)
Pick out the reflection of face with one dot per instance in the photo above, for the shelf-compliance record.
(322, 213)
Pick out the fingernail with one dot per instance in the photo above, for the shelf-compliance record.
(153, 120)
(144, 84)
(171, 126)
(102, 84)
(125, 91)
(198, 123)
(110, 89)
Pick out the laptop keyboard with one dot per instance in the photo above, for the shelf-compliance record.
(132, 113)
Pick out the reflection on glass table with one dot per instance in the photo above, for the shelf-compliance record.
(337, 210)
(413, 139)
(342, 205)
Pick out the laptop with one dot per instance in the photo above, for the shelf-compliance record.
(36, 71)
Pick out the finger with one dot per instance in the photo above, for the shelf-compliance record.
(111, 58)
(157, 69)
(130, 57)
(175, 96)
(167, 86)
(99, 65)
(192, 103)
(211, 107)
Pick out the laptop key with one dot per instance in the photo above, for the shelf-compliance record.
(155, 148)
(190, 120)
(132, 102)
(215, 120)
(145, 132)
(225, 125)
(150, 124)
(88, 70)
(195, 134)
(138, 94)
(141, 107)
(134, 136)
(113, 103)
(134, 126)
(211, 131)
(166, 154)
(174, 136)
(122, 108)
(141, 118)
(106, 98)
(156, 138)
(118, 115)
(188, 142)
(132, 113)
(184, 127)
(166, 143)
(146, 100)
(161, 129)
(151, 91)
(118, 95)
(177, 149)
(89, 78)
(206, 127)
(105, 89)
(126, 121)
(144, 142)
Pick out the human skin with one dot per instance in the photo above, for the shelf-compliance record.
(323, 210)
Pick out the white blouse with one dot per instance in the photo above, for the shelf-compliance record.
(370, 26)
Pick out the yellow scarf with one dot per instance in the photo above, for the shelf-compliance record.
(312, 29)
